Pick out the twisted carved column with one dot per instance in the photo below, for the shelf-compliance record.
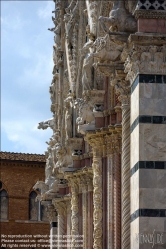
(123, 89)
(125, 173)
(117, 190)
(97, 146)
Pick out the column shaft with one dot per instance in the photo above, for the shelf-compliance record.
(125, 176)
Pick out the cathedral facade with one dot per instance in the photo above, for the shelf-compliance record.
(105, 174)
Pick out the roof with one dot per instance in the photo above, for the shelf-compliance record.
(22, 156)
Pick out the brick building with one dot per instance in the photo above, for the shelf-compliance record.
(20, 213)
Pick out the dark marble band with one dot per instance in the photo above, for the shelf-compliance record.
(148, 78)
(148, 120)
(53, 224)
(148, 165)
(148, 213)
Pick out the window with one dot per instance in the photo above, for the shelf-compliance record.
(37, 212)
(3, 205)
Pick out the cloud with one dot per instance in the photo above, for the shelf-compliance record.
(26, 139)
(27, 73)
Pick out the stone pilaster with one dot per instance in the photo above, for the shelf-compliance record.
(85, 210)
(147, 76)
(60, 207)
(52, 216)
(73, 183)
(96, 141)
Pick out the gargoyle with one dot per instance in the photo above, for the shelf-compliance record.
(107, 49)
(45, 124)
(119, 19)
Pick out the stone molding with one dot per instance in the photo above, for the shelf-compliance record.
(144, 14)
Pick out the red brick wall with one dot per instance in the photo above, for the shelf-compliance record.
(18, 178)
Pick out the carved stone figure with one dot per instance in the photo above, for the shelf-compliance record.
(87, 73)
(45, 124)
(68, 118)
(119, 19)
(63, 157)
(57, 28)
(86, 114)
(107, 49)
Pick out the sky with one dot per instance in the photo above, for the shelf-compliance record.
(26, 73)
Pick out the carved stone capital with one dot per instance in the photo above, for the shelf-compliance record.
(122, 87)
(97, 143)
(147, 59)
(60, 207)
(51, 213)
(114, 140)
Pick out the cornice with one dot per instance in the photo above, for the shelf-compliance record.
(22, 157)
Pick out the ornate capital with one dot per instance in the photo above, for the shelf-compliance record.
(114, 140)
(97, 143)
(149, 59)
(51, 212)
(60, 207)
(122, 87)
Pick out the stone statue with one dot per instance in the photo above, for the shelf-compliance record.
(86, 115)
(119, 19)
(63, 157)
(87, 71)
(68, 118)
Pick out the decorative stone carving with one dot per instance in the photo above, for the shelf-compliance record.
(107, 49)
(119, 19)
(145, 60)
(92, 7)
(151, 5)
(68, 117)
(122, 88)
(57, 28)
(74, 208)
(51, 212)
(45, 124)
(63, 156)
(85, 111)
(40, 185)
(87, 73)
(97, 146)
